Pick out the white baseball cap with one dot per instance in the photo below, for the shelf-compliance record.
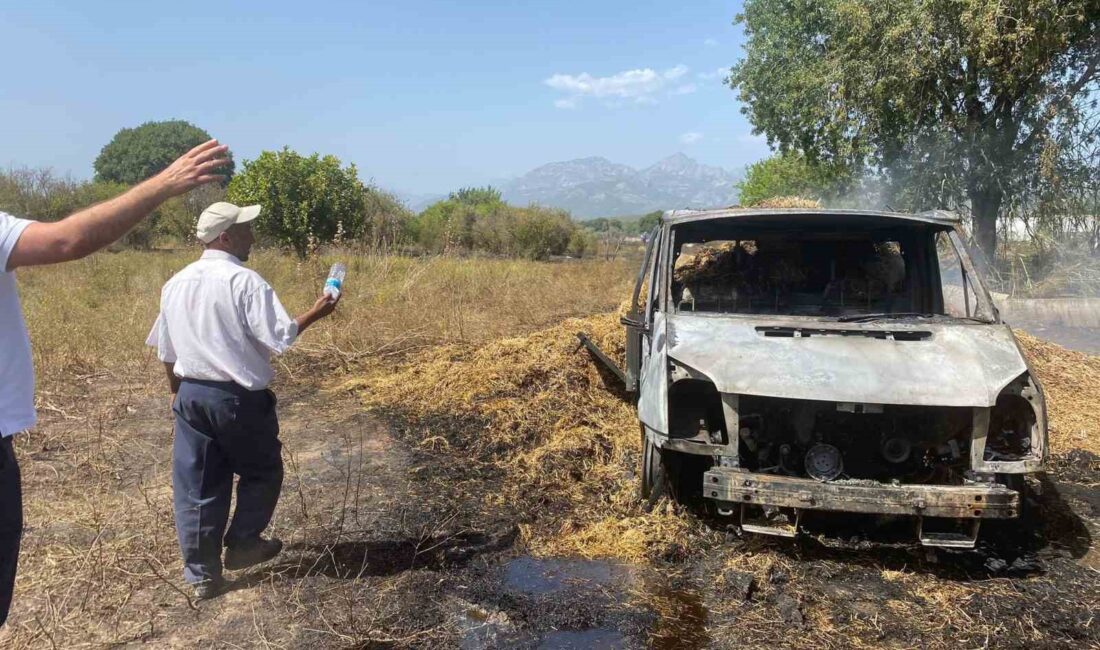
(217, 218)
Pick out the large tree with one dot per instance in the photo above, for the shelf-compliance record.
(955, 101)
(138, 153)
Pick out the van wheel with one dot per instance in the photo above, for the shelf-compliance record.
(654, 475)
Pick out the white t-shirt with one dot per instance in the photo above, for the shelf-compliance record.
(16, 370)
(220, 321)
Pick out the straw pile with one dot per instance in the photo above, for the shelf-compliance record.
(706, 263)
(566, 441)
(786, 202)
(1071, 382)
(563, 435)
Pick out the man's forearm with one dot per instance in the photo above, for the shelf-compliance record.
(173, 380)
(93, 228)
(323, 307)
(306, 319)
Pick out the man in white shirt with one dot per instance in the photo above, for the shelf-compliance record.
(218, 326)
(30, 243)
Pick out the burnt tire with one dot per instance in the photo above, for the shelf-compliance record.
(654, 474)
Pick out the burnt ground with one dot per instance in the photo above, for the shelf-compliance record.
(392, 542)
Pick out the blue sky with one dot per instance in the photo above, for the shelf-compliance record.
(422, 96)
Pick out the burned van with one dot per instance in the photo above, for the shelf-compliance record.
(790, 361)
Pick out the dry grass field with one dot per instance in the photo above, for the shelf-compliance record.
(458, 475)
(92, 316)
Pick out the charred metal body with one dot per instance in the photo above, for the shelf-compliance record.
(829, 360)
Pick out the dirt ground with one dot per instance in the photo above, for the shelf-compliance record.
(381, 553)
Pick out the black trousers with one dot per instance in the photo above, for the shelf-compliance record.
(222, 429)
(11, 523)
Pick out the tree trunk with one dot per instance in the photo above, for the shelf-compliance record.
(985, 206)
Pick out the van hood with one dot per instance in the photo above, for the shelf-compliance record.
(956, 364)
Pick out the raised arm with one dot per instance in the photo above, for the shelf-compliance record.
(93, 228)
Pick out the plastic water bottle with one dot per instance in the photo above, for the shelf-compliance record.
(335, 282)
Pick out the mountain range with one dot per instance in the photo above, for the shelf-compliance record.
(597, 187)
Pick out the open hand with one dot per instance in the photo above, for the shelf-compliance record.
(194, 168)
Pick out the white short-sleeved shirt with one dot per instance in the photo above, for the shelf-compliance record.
(16, 369)
(220, 321)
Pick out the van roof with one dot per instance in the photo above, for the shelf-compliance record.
(937, 217)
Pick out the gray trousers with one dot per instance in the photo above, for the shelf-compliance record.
(222, 429)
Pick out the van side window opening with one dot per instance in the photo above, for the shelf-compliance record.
(959, 297)
(642, 291)
(653, 279)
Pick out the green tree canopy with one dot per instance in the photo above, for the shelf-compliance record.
(306, 200)
(134, 155)
(602, 224)
(955, 101)
(649, 221)
(487, 195)
(791, 174)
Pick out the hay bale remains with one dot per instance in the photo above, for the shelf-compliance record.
(552, 422)
(1071, 382)
(787, 202)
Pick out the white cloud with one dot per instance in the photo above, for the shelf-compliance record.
(676, 72)
(639, 86)
(720, 73)
(691, 137)
(710, 42)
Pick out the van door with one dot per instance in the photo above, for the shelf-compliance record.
(635, 320)
(653, 344)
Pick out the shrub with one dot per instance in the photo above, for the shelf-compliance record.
(538, 233)
(477, 220)
(386, 219)
(306, 200)
(582, 242)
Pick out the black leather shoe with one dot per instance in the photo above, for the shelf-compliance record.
(243, 556)
(208, 589)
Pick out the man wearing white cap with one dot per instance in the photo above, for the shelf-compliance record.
(218, 326)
